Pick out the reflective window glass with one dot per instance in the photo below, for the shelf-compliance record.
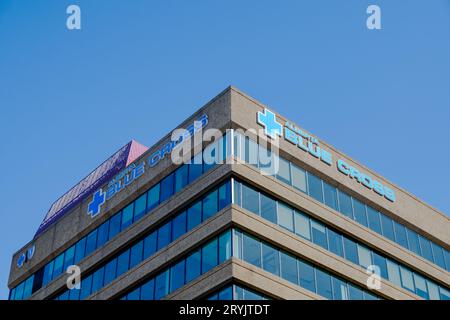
(179, 225)
(400, 235)
(91, 242)
(251, 250)
(426, 248)
(374, 220)
(194, 215)
(335, 243)
(181, 177)
(330, 196)
(80, 247)
(123, 262)
(307, 278)
(210, 204)
(166, 188)
(339, 289)
(250, 199)
(193, 266)
(298, 178)
(407, 278)
(225, 246)
(393, 272)
(140, 207)
(58, 265)
(162, 285)
(413, 241)
(284, 173)
(351, 250)
(421, 286)
(302, 227)
(136, 254)
(224, 195)
(268, 209)
(110, 271)
(148, 290)
(315, 187)
(285, 217)
(86, 285)
(359, 211)
(164, 234)
(438, 255)
(114, 225)
(270, 259)
(153, 197)
(355, 293)
(324, 284)
(177, 276)
(127, 216)
(97, 279)
(364, 255)
(288, 267)
(345, 204)
(134, 295)
(319, 234)
(196, 167)
(69, 257)
(150, 244)
(103, 231)
(387, 226)
(380, 262)
(209, 256)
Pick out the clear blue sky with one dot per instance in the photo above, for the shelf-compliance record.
(69, 99)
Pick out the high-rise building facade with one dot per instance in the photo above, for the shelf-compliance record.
(258, 209)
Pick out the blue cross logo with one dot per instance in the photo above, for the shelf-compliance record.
(271, 127)
(97, 201)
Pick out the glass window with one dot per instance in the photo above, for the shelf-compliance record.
(181, 177)
(224, 195)
(285, 217)
(359, 211)
(298, 178)
(288, 267)
(114, 224)
(268, 209)
(177, 276)
(330, 196)
(319, 234)
(315, 187)
(48, 273)
(351, 250)
(355, 293)
(162, 285)
(364, 255)
(64, 295)
(380, 262)
(369, 296)
(194, 215)
(251, 250)
(28, 287)
(265, 160)
(211, 156)
(58, 265)
(421, 286)
(433, 290)
(339, 289)
(134, 295)
(166, 188)
(413, 241)
(127, 216)
(400, 235)
(250, 199)
(123, 262)
(136, 254)
(387, 226)
(374, 220)
(335, 243)
(225, 246)
(407, 279)
(97, 279)
(148, 290)
(74, 294)
(345, 204)
(153, 197)
(444, 294)
(110, 271)
(307, 278)
(226, 294)
(86, 285)
(271, 262)
(140, 207)
(68, 257)
(209, 256)
(19, 291)
(196, 167)
(438, 255)
(102, 236)
(193, 266)
(91, 242)
(393, 272)
(251, 151)
(237, 193)
(426, 248)
(164, 234)
(150, 243)
(302, 227)
(284, 173)
(210, 205)
(447, 259)
(79, 250)
(179, 225)
(324, 284)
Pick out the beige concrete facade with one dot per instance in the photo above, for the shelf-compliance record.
(234, 109)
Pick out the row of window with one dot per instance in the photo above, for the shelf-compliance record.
(249, 151)
(334, 241)
(295, 270)
(127, 259)
(160, 192)
(236, 292)
(185, 270)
